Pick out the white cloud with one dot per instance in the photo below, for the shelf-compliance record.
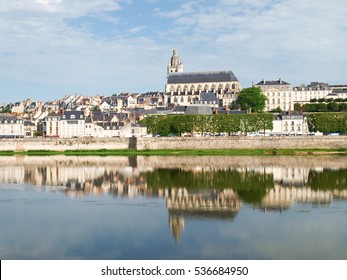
(58, 8)
(271, 37)
(58, 41)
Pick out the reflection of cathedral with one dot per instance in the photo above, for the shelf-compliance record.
(208, 204)
(188, 190)
(205, 88)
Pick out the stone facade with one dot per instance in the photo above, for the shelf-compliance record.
(186, 88)
(283, 95)
(176, 143)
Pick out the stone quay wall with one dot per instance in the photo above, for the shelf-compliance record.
(175, 143)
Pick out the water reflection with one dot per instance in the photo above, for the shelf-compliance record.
(212, 188)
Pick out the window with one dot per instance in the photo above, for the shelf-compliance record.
(72, 117)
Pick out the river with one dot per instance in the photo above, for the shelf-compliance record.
(210, 207)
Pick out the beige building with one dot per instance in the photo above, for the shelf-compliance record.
(283, 95)
(186, 88)
(51, 125)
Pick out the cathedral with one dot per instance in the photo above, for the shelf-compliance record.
(216, 88)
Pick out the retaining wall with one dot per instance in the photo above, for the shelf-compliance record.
(175, 143)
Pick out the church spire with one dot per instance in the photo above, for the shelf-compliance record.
(175, 65)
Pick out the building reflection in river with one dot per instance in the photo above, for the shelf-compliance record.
(208, 188)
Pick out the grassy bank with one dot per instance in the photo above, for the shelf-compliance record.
(237, 152)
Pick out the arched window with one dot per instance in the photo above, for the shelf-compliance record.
(199, 88)
(192, 89)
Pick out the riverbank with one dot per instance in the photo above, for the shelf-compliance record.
(234, 145)
(220, 152)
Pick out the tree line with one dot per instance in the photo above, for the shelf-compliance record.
(321, 107)
(327, 122)
(164, 125)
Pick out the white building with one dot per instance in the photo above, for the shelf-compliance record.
(132, 129)
(293, 123)
(279, 94)
(101, 130)
(11, 127)
(283, 95)
(72, 124)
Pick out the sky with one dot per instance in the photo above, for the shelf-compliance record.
(52, 48)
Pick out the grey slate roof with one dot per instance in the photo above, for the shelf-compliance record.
(73, 115)
(198, 110)
(8, 119)
(272, 83)
(208, 97)
(201, 77)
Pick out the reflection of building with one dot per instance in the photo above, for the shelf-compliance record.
(208, 204)
(293, 180)
(176, 223)
(281, 198)
(289, 176)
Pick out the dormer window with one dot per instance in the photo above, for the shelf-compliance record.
(72, 117)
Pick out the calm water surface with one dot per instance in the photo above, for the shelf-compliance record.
(173, 207)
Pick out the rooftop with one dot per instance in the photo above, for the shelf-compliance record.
(201, 77)
(272, 83)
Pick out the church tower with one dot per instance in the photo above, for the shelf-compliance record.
(175, 65)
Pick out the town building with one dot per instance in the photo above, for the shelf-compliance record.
(11, 127)
(30, 128)
(185, 88)
(51, 125)
(72, 124)
(291, 123)
(282, 95)
(279, 94)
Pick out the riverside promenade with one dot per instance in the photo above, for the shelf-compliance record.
(175, 143)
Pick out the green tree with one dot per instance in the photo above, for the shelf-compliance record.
(6, 110)
(333, 107)
(343, 107)
(251, 99)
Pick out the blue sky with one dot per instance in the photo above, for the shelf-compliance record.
(51, 48)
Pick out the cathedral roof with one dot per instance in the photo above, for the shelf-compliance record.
(201, 77)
